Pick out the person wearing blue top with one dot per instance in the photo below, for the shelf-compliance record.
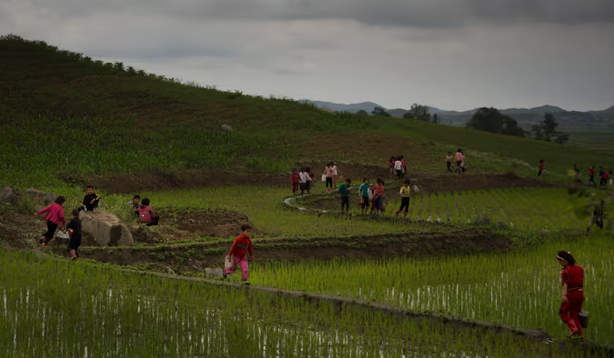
(363, 191)
(344, 191)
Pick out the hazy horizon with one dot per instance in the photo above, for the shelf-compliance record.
(450, 54)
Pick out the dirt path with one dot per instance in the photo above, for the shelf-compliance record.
(129, 184)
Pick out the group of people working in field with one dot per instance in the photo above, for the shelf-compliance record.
(55, 219)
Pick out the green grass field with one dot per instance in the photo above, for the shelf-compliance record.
(66, 119)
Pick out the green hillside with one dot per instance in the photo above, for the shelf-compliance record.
(65, 115)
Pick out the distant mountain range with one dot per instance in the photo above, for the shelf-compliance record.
(524, 116)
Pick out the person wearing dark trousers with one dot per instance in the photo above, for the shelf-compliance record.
(91, 199)
(54, 215)
(405, 194)
(344, 192)
(74, 230)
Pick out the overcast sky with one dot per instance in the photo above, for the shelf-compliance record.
(451, 54)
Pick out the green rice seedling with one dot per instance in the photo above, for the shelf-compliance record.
(520, 288)
(94, 310)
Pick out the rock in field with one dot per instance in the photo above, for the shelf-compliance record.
(226, 128)
(105, 229)
(7, 195)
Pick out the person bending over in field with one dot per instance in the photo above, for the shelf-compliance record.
(405, 194)
(572, 295)
(238, 253)
(91, 199)
(54, 215)
(344, 192)
(74, 230)
(449, 162)
(146, 214)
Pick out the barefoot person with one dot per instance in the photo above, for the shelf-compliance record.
(238, 253)
(54, 215)
(572, 295)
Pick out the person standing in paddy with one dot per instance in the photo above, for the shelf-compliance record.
(405, 194)
(295, 180)
(363, 191)
(378, 201)
(54, 215)
(572, 295)
(329, 173)
(238, 253)
(344, 191)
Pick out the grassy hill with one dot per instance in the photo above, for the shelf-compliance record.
(64, 115)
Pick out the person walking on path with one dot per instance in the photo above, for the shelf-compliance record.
(405, 195)
(576, 174)
(572, 296)
(238, 253)
(363, 191)
(329, 173)
(74, 230)
(304, 181)
(458, 157)
(91, 199)
(378, 192)
(540, 168)
(344, 192)
(295, 180)
(449, 162)
(605, 177)
(591, 176)
(54, 215)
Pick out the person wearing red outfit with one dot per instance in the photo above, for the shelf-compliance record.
(295, 180)
(572, 295)
(54, 215)
(238, 253)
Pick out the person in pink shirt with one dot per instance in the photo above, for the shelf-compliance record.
(459, 159)
(54, 215)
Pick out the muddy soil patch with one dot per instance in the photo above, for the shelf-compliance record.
(195, 257)
(185, 223)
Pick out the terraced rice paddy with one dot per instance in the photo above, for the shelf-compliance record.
(95, 311)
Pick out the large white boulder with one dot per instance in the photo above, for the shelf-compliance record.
(105, 229)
